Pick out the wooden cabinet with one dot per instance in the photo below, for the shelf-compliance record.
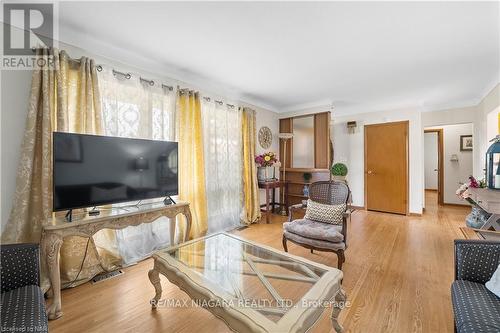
(322, 149)
(322, 158)
(295, 179)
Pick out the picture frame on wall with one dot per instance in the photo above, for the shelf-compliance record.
(466, 143)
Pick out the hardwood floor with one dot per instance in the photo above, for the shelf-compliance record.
(397, 276)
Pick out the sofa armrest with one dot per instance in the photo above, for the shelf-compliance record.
(19, 266)
(476, 260)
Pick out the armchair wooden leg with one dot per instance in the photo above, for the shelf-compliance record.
(284, 244)
(341, 259)
(312, 251)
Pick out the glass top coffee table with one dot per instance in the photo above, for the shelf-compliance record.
(252, 287)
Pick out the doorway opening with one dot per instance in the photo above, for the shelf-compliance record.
(433, 163)
(448, 162)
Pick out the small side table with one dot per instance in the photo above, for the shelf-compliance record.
(270, 187)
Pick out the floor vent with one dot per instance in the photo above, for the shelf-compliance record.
(106, 276)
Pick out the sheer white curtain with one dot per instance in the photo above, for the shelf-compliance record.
(223, 164)
(136, 108)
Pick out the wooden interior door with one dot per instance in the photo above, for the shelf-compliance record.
(386, 167)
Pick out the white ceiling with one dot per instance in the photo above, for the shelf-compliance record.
(360, 56)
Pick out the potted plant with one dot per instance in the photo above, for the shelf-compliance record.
(339, 171)
(265, 166)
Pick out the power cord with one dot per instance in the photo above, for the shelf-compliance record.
(88, 242)
(72, 284)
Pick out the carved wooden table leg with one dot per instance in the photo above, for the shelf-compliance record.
(171, 221)
(268, 198)
(187, 214)
(340, 298)
(51, 244)
(154, 277)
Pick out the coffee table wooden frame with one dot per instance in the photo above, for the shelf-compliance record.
(245, 319)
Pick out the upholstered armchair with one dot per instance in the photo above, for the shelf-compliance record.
(22, 301)
(316, 235)
(476, 308)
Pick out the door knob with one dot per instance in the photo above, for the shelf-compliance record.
(370, 172)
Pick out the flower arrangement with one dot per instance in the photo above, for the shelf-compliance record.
(478, 216)
(266, 159)
(463, 192)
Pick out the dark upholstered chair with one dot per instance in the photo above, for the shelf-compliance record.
(316, 235)
(22, 302)
(476, 308)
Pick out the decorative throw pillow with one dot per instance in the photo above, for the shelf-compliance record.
(324, 213)
(493, 284)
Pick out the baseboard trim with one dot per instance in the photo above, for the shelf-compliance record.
(456, 205)
(415, 214)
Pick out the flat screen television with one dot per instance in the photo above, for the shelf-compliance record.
(92, 170)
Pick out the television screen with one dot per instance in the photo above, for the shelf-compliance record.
(92, 170)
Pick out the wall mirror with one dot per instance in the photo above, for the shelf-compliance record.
(303, 142)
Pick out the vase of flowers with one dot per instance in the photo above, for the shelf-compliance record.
(265, 166)
(478, 216)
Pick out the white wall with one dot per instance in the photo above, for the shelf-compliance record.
(349, 149)
(431, 160)
(488, 105)
(492, 123)
(455, 172)
(15, 88)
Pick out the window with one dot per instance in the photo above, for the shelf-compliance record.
(135, 109)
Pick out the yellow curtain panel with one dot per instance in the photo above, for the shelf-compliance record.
(63, 98)
(191, 160)
(251, 204)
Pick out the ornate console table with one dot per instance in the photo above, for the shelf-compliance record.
(57, 228)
